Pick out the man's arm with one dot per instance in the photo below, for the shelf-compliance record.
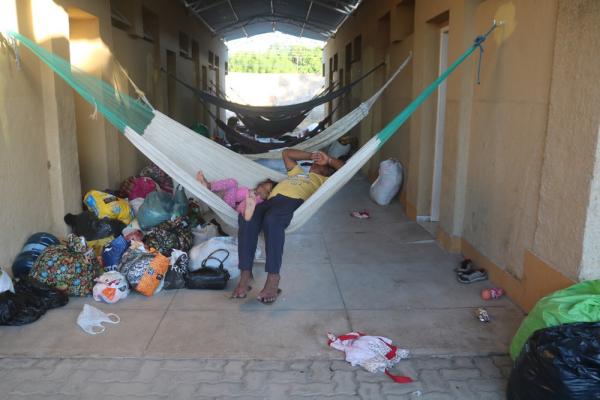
(322, 158)
(292, 156)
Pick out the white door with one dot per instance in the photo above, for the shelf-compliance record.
(438, 156)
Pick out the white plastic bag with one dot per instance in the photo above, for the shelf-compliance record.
(90, 319)
(203, 233)
(200, 252)
(6, 283)
(110, 287)
(388, 183)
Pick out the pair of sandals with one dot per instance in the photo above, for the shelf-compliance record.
(264, 300)
(467, 273)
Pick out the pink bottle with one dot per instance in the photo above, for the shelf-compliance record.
(493, 293)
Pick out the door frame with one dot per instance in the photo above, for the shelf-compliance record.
(440, 120)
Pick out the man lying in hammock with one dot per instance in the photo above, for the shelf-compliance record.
(274, 215)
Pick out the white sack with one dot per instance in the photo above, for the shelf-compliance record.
(387, 185)
(200, 252)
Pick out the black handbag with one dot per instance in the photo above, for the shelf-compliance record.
(175, 277)
(209, 277)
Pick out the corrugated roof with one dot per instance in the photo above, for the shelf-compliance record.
(233, 19)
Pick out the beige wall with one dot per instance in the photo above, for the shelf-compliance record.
(391, 46)
(567, 232)
(520, 163)
(46, 131)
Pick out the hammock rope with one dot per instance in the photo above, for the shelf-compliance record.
(180, 152)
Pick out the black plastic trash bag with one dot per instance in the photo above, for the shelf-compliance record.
(86, 224)
(558, 363)
(51, 297)
(30, 301)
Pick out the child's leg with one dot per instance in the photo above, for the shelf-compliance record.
(223, 184)
(200, 178)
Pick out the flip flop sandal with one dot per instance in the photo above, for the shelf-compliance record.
(364, 214)
(264, 301)
(241, 297)
(466, 266)
(475, 276)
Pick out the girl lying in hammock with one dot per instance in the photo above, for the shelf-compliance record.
(240, 198)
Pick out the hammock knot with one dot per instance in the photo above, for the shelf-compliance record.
(478, 42)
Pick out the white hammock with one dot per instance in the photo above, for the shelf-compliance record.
(181, 153)
(340, 127)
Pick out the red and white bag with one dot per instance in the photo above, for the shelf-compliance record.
(373, 353)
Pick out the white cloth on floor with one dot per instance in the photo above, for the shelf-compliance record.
(373, 353)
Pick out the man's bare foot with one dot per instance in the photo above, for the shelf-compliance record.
(250, 205)
(200, 178)
(271, 290)
(243, 287)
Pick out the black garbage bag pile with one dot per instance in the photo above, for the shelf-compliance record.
(30, 301)
(558, 363)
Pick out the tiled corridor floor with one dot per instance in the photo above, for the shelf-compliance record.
(383, 276)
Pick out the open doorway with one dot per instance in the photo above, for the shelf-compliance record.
(440, 118)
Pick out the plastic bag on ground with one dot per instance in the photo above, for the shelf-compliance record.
(88, 225)
(144, 271)
(160, 207)
(110, 287)
(113, 252)
(90, 319)
(6, 283)
(106, 205)
(203, 250)
(203, 233)
(30, 301)
(577, 303)
(558, 363)
(388, 183)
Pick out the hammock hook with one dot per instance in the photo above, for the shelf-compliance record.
(478, 42)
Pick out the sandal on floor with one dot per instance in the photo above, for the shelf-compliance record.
(466, 267)
(474, 276)
(241, 297)
(264, 300)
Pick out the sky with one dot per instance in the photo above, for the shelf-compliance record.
(262, 42)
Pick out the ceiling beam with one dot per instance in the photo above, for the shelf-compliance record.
(345, 11)
(236, 16)
(306, 18)
(208, 6)
(276, 18)
(323, 31)
(346, 17)
(189, 5)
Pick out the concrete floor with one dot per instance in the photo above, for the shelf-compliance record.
(383, 276)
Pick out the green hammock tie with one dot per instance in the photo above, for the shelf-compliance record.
(391, 128)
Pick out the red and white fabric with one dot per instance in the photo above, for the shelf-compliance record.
(373, 353)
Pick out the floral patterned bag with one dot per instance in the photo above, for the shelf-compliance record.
(70, 268)
(170, 235)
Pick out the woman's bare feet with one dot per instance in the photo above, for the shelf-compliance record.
(243, 287)
(250, 205)
(271, 290)
(200, 178)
